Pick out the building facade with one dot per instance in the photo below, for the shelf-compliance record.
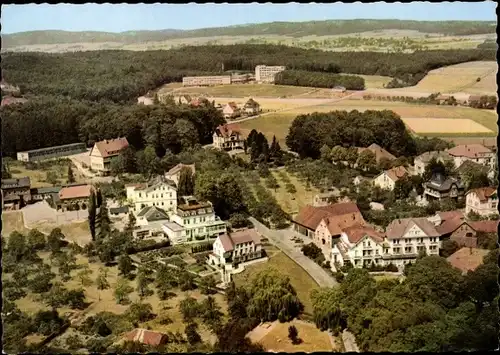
(251, 107)
(193, 221)
(104, 152)
(51, 152)
(15, 193)
(422, 160)
(44, 193)
(159, 192)
(206, 80)
(483, 201)
(440, 187)
(474, 152)
(266, 74)
(174, 173)
(228, 137)
(231, 110)
(149, 223)
(236, 247)
(74, 197)
(387, 179)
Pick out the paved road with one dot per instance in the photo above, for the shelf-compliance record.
(281, 239)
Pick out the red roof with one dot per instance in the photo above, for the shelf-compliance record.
(230, 240)
(483, 193)
(111, 147)
(79, 191)
(468, 150)
(357, 232)
(450, 225)
(450, 215)
(397, 173)
(311, 216)
(146, 337)
(467, 259)
(226, 130)
(485, 226)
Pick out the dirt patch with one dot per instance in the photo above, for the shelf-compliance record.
(13, 221)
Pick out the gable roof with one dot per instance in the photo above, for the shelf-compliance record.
(177, 169)
(485, 226)
(469, 164)
(396, 173)
(356, 233)
(111, 147)
(227, 130)
(469, 150)
(232, 105)
(311, 216)
(153, 213)
(397, 228)
(483, 193)
(15, 183)
(251, 103)
(46, 190)
(154, 182)
(146, 337)
(441, 183)
(450, 215)
(450, 225)
(437, 154)
(467, 259)
(230, 240)
(78, 191)
(378, 151)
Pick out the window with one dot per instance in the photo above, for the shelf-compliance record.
(140, 194)
(408, 250)
(161, 195)
(397, 250)
(396, 241)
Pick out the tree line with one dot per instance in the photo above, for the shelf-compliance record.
(319, 79)
(309, 133)
(122, 76)
(48, 121)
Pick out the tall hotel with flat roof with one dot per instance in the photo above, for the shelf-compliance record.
(266, 74)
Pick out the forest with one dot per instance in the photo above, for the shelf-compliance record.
(122, 76)
(309, 133)
(319, 80)
(47, 121)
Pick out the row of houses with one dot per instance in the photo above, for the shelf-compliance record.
(231, 110)
(345, 237)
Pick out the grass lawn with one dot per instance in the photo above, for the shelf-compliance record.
(275, 338)
(245, 90)
(386, 277)
(300, 280)
(38, 177)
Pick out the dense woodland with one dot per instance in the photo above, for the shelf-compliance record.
(309, 133)
(121, 76)
(46, 122)
(294, 29)
(319, 80)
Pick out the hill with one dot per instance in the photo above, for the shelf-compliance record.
(292, 29)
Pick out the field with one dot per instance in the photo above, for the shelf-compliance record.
(13, 221)
(275, 337)
(300, 280)
(279, 123)
(460, 78)
(38, 176)
(445, 126)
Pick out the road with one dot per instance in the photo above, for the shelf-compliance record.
(281, 239)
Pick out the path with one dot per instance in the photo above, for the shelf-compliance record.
(282, 241)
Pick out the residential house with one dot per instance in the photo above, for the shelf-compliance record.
(441, 187)
(421, 161)
(483, 201)
(440, 217)
(231, 110)
(193, 221)
(159, 192)
(236, 247)
(146, 337)
(490, 226)
(359, 179)
(44, 193)
(359, 245)
(378, 151)
(322, 199)
(103, 153)
(467, 259)
(15, 193)
(75, 197)
(228, 137)
(387, 179)
(458, 230)
(406, 237)
(149, 223)
(174, 173)
(323, 224)
(478, 153)
(251, 107)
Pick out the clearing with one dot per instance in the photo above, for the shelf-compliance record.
(444, 126)
(13, 221)
(300, 280)
(274, 337)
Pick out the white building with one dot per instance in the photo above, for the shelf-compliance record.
(405, 238)
(474, 152)
(159, 192)
(236, 247)
(266, 74)
(360, 245)
(193, 221)
(231, 110)
(104, 152)
(149, 223)
(228, 137)
(174, 173)
(483, 201)
(387, 179)
(422, 160)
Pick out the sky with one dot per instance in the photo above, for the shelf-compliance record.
(130, 17)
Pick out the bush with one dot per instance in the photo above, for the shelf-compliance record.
(391, 268)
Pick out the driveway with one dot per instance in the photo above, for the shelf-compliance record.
(282, 240)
